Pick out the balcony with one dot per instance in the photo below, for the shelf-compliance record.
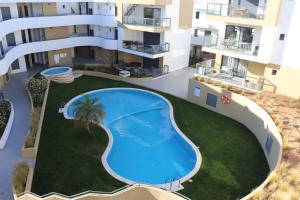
(41, 45)
(245, 14)
(16, 24)
(145, 48)
(231, 45)
(227, 10)
(147, 24)
(230, 76)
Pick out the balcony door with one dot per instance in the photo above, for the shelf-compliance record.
(234, 66)
(240, 34)
(151, 38)
(152, 13)
(10, 38)
(5, 11)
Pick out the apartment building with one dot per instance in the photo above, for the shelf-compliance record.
(153, 35)
(249, 43)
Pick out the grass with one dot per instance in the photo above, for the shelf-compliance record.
(20, 176)
(68, 158)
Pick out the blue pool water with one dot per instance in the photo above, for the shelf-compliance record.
(146, 147)
(55, 70)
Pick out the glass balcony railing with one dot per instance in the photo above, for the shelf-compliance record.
(231, 45)
(227, 10)
(232, 76)
(152, 22)
(145, 48)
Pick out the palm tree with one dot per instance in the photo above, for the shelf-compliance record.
(87, 111)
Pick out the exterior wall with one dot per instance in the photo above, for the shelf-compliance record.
(287, 80)
(66, 8)
(186, 13)
(49, 9)
(179, 49)
(256, 69)
(126, 57)
(244, 111)
(60, 57)
(56, 32)
(2, 81)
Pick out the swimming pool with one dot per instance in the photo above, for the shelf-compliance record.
(145, 144)
(55, 71)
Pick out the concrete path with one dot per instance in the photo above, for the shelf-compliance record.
(175, 83)
(15, 91)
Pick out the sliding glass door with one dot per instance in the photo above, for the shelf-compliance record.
(234, 66)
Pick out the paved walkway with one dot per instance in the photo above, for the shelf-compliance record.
(15, 91)
(175, 83)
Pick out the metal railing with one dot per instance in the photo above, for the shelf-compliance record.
(145, 48)
(208, 69)
(231, 45)
(229, 10)
(152, 22)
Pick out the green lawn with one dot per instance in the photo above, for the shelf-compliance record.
(68, 158)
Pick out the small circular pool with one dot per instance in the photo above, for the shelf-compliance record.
(146, 146)
(55, 71)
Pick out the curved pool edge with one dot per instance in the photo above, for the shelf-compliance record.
(166, 186)
(63, 73)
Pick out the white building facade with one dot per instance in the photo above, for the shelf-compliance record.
(151, 35)
(254, 42)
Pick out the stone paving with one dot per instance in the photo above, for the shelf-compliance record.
(15, 91)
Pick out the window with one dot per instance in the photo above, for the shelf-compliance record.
(64, 6)
(269, 143)
(15, 65)
(282, 36)
(10, 38)
(196, 33)
(207, 33)
(211, 100)
(274, 72)
(197, 92)
(197, 14)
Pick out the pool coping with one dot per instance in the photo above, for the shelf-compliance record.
(167, 186)
(46, 76)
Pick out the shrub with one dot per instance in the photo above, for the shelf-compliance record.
(20, 176)
(79, 67)
(4, 115)
(37, 88)
(35, 118)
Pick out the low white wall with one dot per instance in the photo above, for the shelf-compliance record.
(247, 112)
(50, 45)
(8, 127)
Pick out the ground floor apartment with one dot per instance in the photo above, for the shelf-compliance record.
(91, 57)
(252, 75)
